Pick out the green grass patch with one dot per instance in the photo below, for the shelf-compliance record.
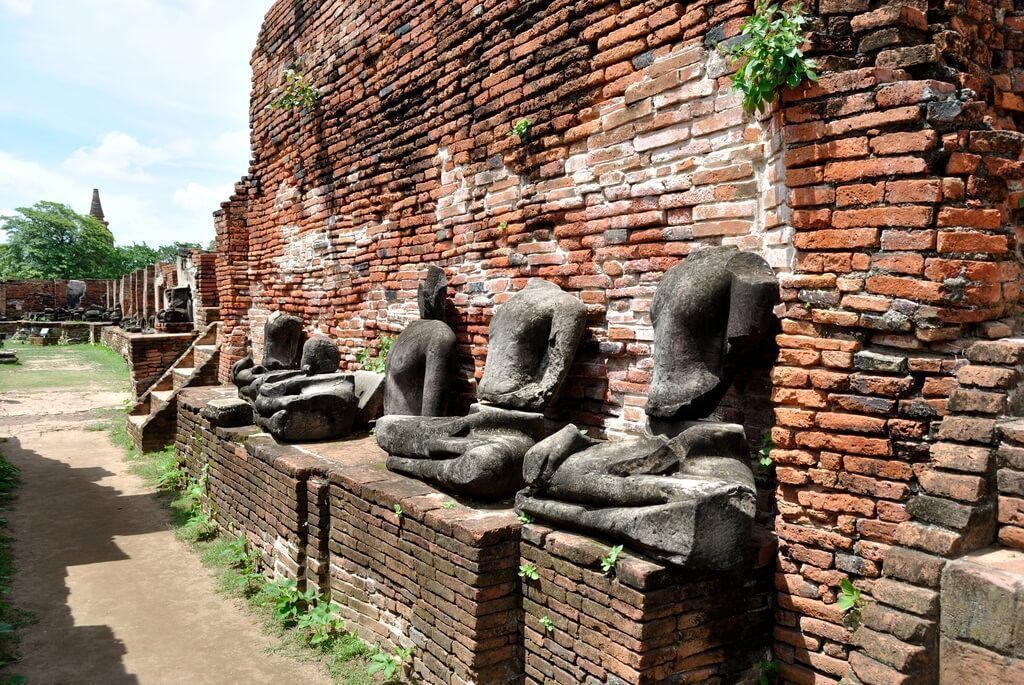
(67, 367)
(306, 625)
(11, 618)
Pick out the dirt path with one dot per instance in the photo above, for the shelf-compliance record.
(119, 600)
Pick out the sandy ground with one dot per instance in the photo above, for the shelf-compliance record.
(119, 600)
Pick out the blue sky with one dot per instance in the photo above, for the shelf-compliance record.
(146, 100)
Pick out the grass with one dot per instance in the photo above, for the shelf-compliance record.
(11, 618)
(344, 656)
(67, 367)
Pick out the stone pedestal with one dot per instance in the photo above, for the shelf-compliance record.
(646, 623)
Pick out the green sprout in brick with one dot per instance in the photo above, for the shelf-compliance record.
(609, 560)
(399, 512)
(529, 572)
(521, 129)
(549, 625)
(448, 505)
(850, 601)
(764, 455)
(524, 518)
(769, 672)
(503, 226)
(297, 92)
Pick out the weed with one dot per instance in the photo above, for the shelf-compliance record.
(399, 512)
(288, 601)
(529, 572)
(321, 624)
(771, 55)
(377, 363)
(11, 618)
(769, 674)
(549, 625)
(503, 226)
(764, 455)
(297, 92)
(524, 517)
(448, 505)
(609, 560)
(521, 129)
(387, 664)
(850, 601)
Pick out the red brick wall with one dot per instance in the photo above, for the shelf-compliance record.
(24, 297)
(885, 196)
(638, 153)
(904, 208)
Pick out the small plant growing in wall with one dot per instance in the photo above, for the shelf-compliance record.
(609, 560)
(769, 672)
(764, 455)
(521, 130)
(549, 625)
(524, 518)
(378, 362)
(850, 601)
(449, 505)
(770, 54)
(297, 92)
(399, 512)
(528, 572)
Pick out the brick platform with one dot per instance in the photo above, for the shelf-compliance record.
(149, 355)
(441, 578)
(647, 624)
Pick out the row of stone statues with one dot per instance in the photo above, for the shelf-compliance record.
(297, 393)
(683, 492)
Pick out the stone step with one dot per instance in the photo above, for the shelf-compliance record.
(160, 400)
(138, 419)
(181, 376)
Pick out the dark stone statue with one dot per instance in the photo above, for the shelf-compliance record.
(531, 344)
(316, 402)
(177, 306)
(533, 338)
(282, 336)
(420, 360)
(75, 294)
(685, 493)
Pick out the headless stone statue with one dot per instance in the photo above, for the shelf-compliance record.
(419, 364)
(177, 306)
(685, 493)
(533, 338)
(282, 339)
(316, 402)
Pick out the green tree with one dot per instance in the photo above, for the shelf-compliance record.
(136, 256)
(51, 240)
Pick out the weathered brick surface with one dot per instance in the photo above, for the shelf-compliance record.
(647, 624)
(442, 579)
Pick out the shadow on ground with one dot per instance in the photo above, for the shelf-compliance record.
(51, 541)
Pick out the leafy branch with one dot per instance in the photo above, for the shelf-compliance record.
(771, 55)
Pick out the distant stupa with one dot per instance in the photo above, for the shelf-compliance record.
(96, 211)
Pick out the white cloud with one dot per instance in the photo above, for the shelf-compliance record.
(120, 156)
(21, 7)
(201, 199)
